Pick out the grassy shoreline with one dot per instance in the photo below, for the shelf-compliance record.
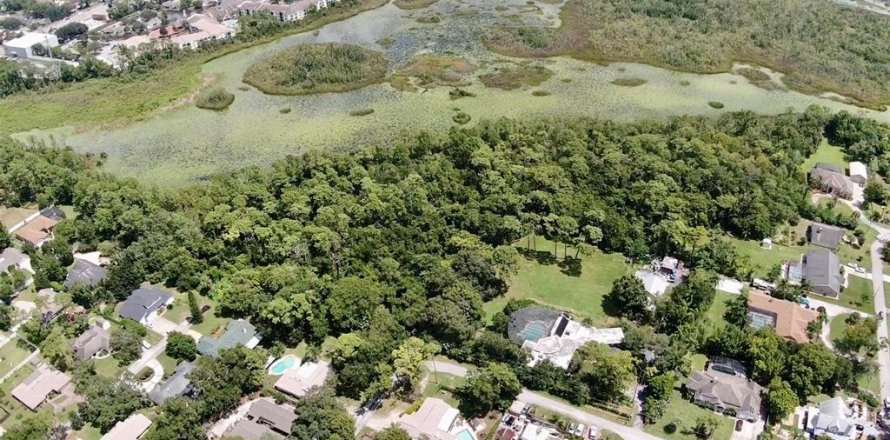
(100, 99)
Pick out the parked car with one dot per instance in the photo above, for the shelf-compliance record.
(738, 425)
(592, 433)
(579, 430)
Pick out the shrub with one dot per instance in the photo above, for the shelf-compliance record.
(460, 93)
(540, 93)
(362, 112)
(284, 110)
(716, 104)
(461, 118)
(215, 99)
(628, 82)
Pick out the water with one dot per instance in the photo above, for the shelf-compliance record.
(280, 366)
(186, 144)
(465, 435)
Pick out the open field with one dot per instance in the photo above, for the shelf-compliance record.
(825, 153)
(718, 308)
(11, 354)
(579, 289)
(764, 259)
(440, 384)
(683, 414)
(11, 216)
(858, 295)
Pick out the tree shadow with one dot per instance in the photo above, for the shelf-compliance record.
(540, 257)
(570, 266)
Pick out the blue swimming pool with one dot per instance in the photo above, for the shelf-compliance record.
(465, 435)
(281, 365)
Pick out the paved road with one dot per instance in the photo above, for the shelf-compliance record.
(881, 306)
(627, 432)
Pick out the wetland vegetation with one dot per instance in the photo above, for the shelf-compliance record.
(514, 77)
(708, 35)
(309, 69)
(414, 4)
(628, 82)
(215, 98)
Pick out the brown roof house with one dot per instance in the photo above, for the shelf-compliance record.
(41, 385)
(95, 341)
(830, 181)
(133, 428)
(264, 420)
(436, 420)
(37, 231)
(726, 393)
(297, 382)
(788, 318)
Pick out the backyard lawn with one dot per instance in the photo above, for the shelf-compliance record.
(211, 323)
(825, 153)
(683, 414)
(108, 367)
(11, 216)
(718, 309)
(168, 363)
(764, 259)
(180, 309)
(11, 354)
(440, 385)
(579, 289)
(837, 325)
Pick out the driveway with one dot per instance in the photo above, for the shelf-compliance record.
(162, 326)
(156, 377)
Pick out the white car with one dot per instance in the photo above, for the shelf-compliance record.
(579, 430)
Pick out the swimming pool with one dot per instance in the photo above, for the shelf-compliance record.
(281, 365)
(465, 435)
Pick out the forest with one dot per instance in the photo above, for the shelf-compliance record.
(799, 38)
(390, 250)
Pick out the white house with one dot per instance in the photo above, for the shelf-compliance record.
(21, 47)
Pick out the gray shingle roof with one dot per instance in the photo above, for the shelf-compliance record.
(11, 257)
(92, 341)
(826, 236)
(177, 385)
(53, 212)
(823, 269)
(143, 301)
(721, 389)
(238, 332)
(85, 273)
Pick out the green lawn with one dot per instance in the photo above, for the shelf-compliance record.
(839, 207)
(439, 385)
(684, 414)
(578, 289)
(211, 323)
(11, 354)
(180, 309)
(718, 309)
(825, 153)
(764, 259)
(107, 367)
(837, 326)
(89, 433)
(168, 363)
(858, 295)
(862, 256)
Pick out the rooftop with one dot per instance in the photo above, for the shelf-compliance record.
(434, 420)
(789, 319)
(38, 386)
(717, 387)
(130, 429)
(85, 273)
(822, 269)
(36, 231)
(31, 38)
(11, 258)
(238, 332)
(177, 385)
(143, 301)
(299, 381)
(823, 235)
(654, 283)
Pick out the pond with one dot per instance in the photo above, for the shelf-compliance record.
(186, 144)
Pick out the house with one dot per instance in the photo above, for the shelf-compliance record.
(283, 12)
(37, 231)
(166, 32)
(671, 267)
(825, 166)
(297, 382)
(831, 182)
(858, 173)
(553, 336)
(14, 259)
(177, 385)
(264, 420)
(436, 420)
(41, 385)
(85, 273)
(144, 303)
(133, 428)
(726, 393)
(835, 419)
(654, 283)
(96, 340)
(238, 332)
(788, 318)
(536, 431)
(728, 366)
(22, 47)
(822, 270)
(825, 236)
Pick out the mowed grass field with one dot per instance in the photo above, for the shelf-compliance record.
(684, 414)
(825, 153)
(576, 288)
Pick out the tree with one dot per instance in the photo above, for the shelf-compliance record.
(5, 240)
(737, 311)
(320, 416)
(179, 420)
(765, 350)
(859, 334)
(606, 373)
(352, 300)
(5, 317)
(781, 399)
(493, 387)
(408, 361)
(181, 346)
(392, 432)
(194, 309)
(57, 350)
(705, 426)
(33, 427)
(658, 391)
(107, 401)
(628, 299)
(874, 192)
(126, 345)
(221, 381)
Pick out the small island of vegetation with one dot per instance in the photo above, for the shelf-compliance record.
(310, 69)
(215, 98)
(414, 4)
